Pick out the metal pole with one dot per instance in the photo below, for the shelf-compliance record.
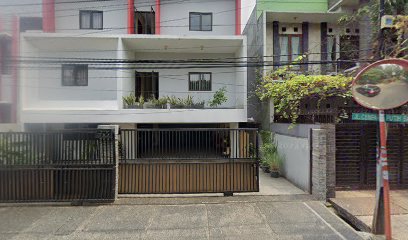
(378, 219)
(385, 175)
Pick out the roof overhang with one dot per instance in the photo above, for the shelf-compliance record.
(184, 44)
(137, 43)
(296, 17)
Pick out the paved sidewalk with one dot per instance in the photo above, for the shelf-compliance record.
(242, 217)
(358, 208)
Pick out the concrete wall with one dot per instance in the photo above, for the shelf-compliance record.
(174, 16)
(292, 6)
(324, 162)
(294, 145)
(175, 81)
(43, 83)
(254, 33)
(114, 16)
(296, 166)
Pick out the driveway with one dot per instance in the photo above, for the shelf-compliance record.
(242, 217)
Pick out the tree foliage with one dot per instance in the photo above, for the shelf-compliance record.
(288, 95)
(395, 38)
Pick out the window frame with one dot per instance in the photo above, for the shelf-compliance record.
(200, 73)
(201, 21)
(90, 20)
(75, 71)
(290, 54)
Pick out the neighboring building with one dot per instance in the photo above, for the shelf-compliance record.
(279, 32)
(70, 89)
(15, 17)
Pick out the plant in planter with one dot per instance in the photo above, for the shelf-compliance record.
(188, 102)
(218, 98)
(129, 101)
(275, 163)
(199, 105)
(271, 160)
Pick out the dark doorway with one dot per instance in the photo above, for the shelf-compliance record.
(145, 22)
(147, 84)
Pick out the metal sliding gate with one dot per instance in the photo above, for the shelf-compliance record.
(57, 166)
(356, 155)
(194, 160)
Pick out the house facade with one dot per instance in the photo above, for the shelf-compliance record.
(90, 57)
(280, 32)
(15, 18)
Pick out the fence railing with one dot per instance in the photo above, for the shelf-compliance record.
(188, 144)
(56, 148)
(57, 166)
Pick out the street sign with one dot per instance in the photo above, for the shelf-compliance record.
(395, 118)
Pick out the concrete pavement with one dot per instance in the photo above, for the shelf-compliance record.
(242, 217)
(358, 208)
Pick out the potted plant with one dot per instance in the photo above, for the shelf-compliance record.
(129, 101)
(218, 98)
(199, 105)
(275, 164)
(150, 103)
(188, 102)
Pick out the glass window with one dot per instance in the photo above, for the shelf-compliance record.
(283, 44)
(90, 19)
(290, 47)
(74, 75)
(199, 82)
(200, 21)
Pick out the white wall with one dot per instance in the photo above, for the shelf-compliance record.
(175, 81)
(114, 16)
(175, 17)
(296, 166)
(42, 83)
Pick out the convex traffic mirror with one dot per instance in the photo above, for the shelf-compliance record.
(382, 85)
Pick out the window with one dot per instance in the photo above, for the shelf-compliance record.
(144, 22)
(90, 19)
(290, 47)
(200, 21)
(5, 56)
(74, 75)
(199, 81)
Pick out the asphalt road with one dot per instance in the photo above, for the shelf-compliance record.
(391, 94)
(200, 218)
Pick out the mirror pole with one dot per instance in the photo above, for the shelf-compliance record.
(385, 175)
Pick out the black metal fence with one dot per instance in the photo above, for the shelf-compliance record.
(57, 166)
(192, 143)
(188, 160)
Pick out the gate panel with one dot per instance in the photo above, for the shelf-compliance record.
(155, 161)
(205, 177)
(356, 145)
(57, 166)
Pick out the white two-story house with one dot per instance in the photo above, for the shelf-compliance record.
(134, 63)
